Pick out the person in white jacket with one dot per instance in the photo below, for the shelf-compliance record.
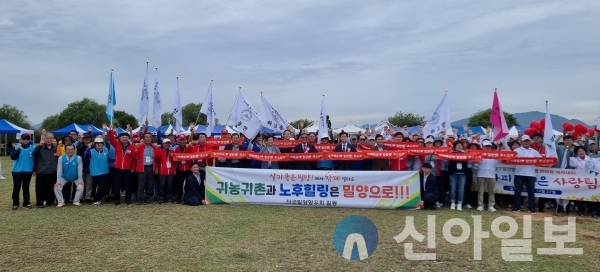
(525, 175)
(486, 178)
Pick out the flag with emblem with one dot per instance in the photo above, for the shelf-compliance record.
(177, 110)
(439, 121)
(209, 110)
(270, 117)
(144, 100)
(245, 117)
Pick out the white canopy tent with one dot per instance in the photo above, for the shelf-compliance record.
(514, 132)
(350, 128)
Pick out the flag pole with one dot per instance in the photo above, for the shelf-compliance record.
(112, 84)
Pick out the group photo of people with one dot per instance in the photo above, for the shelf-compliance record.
(138, 167)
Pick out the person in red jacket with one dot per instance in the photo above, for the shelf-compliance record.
(165, 169)
(145, 168)
(183, 167)
(202, 146)
(123, 165)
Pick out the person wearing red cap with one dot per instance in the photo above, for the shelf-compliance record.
(183, 167)
(225, 133)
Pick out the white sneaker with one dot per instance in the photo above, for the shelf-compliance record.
(480, 208)
(452, 206)
(60, 205)
(459, 207)
(468, 206)
(491, 209)
(97, 203)
(2, 177)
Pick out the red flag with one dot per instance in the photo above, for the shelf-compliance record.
(497, 119)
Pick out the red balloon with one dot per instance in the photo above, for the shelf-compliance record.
(591, 132)
(597, 129)
(534, 124)
(575, 135)
(530, 131)
(543, 123)
(567, 126)
(580, 129)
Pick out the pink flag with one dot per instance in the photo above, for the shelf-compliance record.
(497, 119)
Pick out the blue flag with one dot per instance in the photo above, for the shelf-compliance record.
(112, 99)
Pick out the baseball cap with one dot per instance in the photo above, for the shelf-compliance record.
(486, 142)
(537, 134)
(98, 140)
(87, 135)
(181, 137)
(591, 142)
(136, 139)
(25, 136)
(166, 141)
(324, 135)
(429, 140)
(525, 138)
(124, 134)
(450, 135)
(153, 133)
(224, 131)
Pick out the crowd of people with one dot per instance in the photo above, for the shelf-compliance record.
(138, 167)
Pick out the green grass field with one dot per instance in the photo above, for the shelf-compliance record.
(247, 238)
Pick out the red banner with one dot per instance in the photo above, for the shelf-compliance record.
(401, 145)
(218, 141)
(345, 156)
(459, 156)
(325, 147)
(229, 154)
(416, 151)
(393, 154)
(548, 161)
(267, 156)
(286, 143)
(494, 154)
(305, 156)
(190, 156)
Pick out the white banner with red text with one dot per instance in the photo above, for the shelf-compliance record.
(347, 189)
(572, 184)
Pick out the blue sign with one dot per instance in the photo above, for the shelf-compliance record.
(355, 237)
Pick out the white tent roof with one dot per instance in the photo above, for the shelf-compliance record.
(379, 127)
(514, 132)
(313, 128)
(349, 128)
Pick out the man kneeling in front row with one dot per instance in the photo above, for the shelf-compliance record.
(429, 191)
(69, 169)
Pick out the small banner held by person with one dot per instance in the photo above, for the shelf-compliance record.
(572, 184)
(347, 189)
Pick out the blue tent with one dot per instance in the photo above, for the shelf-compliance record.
(7, 127)
(65, 130)
(95, 130)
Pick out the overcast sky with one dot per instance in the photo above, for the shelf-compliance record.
(369, 58)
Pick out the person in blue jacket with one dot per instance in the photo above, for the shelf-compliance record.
(99, 160)
(22, 170)
(256, 145)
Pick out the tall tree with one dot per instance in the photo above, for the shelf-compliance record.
(406, 118)
(482, 118)
(85, 111)
(14, 115)
(122, 119)
(307, 123)
(51, 122)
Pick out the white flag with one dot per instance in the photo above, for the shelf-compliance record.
(112, 100)
(246, 118)
(209, 110)
(440, 121)
(323, 128)
(144, 100)
(177, 110)
(271, 118)
(157, 103)
(549, 137)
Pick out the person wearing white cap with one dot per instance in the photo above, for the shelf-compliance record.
(592, 148)
(525, 175)
(165, 169)
(98, 168)
(486, 178)
(326, 164)
(344, 146)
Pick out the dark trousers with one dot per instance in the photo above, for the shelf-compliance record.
(541, 202)
(468, 193)
(44, 189)
(134, 183)
(21, 180)
(122, 178)
(191, 200)
(166, 187)
(429, 199)
(180, 183)
(112, 190)
(529, 183)
(443, 183)
(69, 191)
(145, 180)
(102, 182)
